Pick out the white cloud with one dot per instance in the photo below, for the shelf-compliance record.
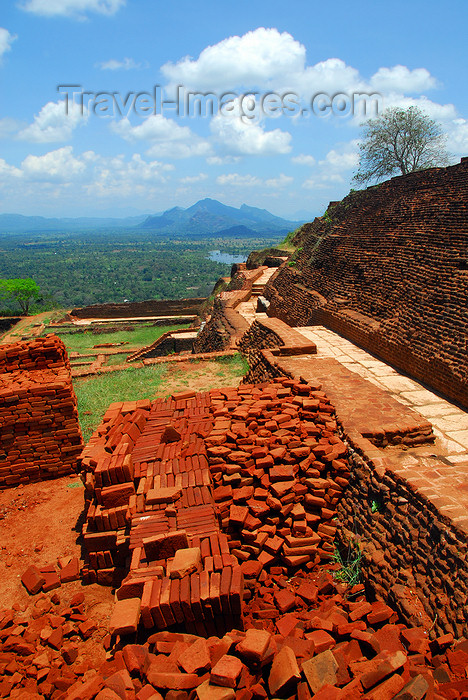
(6, 40)
(402, 79)
(345, 160)
(236, 180)
(76, 9)
(7, 171)
(259, 57)
(166, 139)
(237, 137)
(303, 160)
(126, 64)
(281, 181)
(59, 165)
(53, 123)
(8, 126)
(191, 179)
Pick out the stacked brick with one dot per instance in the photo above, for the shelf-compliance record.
(41, 437)
(280, 471)
(390, 273)
(108, 476)
(180, 570)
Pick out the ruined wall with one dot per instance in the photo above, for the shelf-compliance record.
(152, 307)
(41, 436)
(390, 272)
(412, 552)
(226, 325)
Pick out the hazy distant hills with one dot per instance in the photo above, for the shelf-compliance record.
(209, 217)
(17, 223)
(205, 218)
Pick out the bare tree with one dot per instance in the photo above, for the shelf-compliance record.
(400, 141)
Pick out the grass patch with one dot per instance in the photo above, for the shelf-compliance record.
(350, 563)
(117, 359)
(95, 394)
(141, 336)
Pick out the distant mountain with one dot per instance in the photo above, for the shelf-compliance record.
(210, 217)
(17, 223)
(207, 217)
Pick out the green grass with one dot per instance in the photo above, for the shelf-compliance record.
(350, 571)
(141, 336)
(117, 359)
(95, 394)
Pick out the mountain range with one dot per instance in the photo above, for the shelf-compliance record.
(207, 217)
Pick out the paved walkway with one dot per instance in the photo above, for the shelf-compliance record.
(248, 309)
(450, 423)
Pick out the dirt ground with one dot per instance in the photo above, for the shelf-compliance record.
(199, 376)
(39, 523)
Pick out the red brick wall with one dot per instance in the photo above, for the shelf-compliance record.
(390, 272)
(41, 436)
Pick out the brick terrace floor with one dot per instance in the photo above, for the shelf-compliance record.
(450, 423)
(439, 471)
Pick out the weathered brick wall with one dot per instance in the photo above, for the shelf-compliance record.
(41, 436)
(226, 325)
(390, 272)
(411, 552)
(152, 307)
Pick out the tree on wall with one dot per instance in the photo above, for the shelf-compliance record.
(23, 291)
(400, 141)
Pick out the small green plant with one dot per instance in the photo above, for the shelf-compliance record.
(327, 217)
(374, 507)
(350, 571)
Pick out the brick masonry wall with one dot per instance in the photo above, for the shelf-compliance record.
(152, 307)
(41, 436)
(390, 272)
(412, 554)
(226, 325)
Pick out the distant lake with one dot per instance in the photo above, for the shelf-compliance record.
(218, 256)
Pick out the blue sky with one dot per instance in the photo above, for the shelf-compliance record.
(256, 150)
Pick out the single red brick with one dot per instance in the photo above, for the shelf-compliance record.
(321, 639)
(254, 646)
(32, 580)
(285, 674)
(196, 658)
(226, 672)
(320, 670)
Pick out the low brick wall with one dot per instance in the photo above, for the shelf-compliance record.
(152, 307)
(226, 325)
(169, 342)
(411, 552)
(41, 436)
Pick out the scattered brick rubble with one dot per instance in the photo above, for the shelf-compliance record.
(41, 437)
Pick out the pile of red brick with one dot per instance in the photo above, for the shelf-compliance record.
(108, 475)
(48, 647)
(48, 578)
(41, 437)
(279, 471)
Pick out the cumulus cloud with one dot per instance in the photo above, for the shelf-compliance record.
(303, 159)
(281, 181)
(191, 179)
(236, 180)
(6, 40)
(59, 165)
(76, 9)
(402, 79)
(259, 57)
(125, 64)
(166, 139)
(53, 123)
(236, 136)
